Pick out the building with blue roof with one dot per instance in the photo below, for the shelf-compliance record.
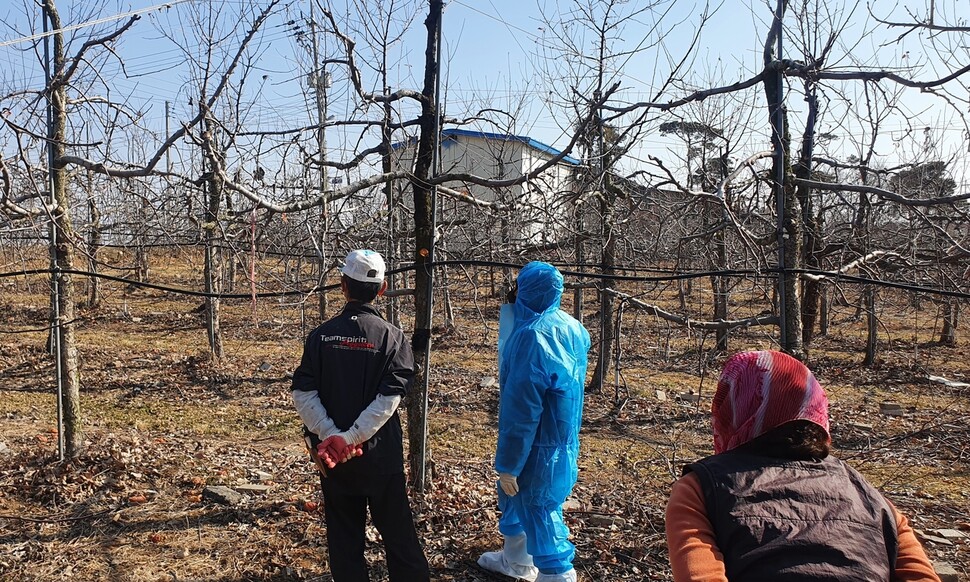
(537, 211)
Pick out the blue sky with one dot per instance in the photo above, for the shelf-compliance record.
(494, 43)
(492, 60)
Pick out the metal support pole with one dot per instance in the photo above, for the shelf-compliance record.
(779, 125)
(320, 86)
(319, 82)
(55, 277)
(602, 360)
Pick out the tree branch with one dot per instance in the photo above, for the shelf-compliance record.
(695, 96)
(149, 168)
(884, 194)
(693, 323)
(66, 76)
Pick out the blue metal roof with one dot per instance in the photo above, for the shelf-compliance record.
(536, 145)
(410, 141)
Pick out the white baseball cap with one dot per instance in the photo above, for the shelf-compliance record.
(364, 266)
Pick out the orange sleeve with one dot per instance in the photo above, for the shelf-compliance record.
(694, 555)
(912, 564)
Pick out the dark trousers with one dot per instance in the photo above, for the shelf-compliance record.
(345, 504)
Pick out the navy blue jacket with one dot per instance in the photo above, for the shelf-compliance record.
(348, 361)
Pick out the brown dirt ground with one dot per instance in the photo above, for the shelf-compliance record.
(162, 421)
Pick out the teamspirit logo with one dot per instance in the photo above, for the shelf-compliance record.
(348, 342)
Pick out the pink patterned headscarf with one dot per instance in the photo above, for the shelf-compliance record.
(759, 391)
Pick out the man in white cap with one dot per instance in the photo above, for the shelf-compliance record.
(355, 369)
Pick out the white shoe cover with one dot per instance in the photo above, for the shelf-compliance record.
(496, 562)
(569, 576)
(514, 560)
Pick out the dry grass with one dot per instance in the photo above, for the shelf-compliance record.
(162, 421)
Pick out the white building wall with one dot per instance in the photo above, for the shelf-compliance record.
(489, 159)
(542, 209)
(550, 195)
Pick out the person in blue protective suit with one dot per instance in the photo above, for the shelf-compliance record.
(542, 371)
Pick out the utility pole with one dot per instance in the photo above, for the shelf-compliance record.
(319, 80)
(168, 159)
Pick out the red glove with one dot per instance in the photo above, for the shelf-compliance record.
(335, 449)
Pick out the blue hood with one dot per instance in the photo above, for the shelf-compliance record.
(540, 288)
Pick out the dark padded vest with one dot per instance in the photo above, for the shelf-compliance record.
(782, 520)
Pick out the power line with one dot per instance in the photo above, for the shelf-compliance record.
(733, 273)
(91, 23)
(502, 21)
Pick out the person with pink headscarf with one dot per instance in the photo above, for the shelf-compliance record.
(771, 503)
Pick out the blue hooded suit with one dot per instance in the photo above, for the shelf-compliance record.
(542, 371)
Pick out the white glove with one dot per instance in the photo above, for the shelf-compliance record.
(508, 483)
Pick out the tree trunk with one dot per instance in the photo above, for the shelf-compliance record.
(94, 248)
(871, 326)
(63, 251)
(213, 328)
(810, 309)
(684, 286)
(580, 251)
(607, 266)
(719, 286)
(322, 264)
(811, 222)
(229, 260)
(789, 214)
(446, 295)
(825, 301)
(951, 310)
(390, 251)
(230, 268)
(792, 342)
(418, 456)
(213, 184)
(721, 296)
(141, 247)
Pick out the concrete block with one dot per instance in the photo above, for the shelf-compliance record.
(946, 572)
(222, 495)
(253, 488)
(948, 533)
(606, 521)
(572, 504)
(258, 475)
(946, 382)
(926, 537)
(891, 409)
